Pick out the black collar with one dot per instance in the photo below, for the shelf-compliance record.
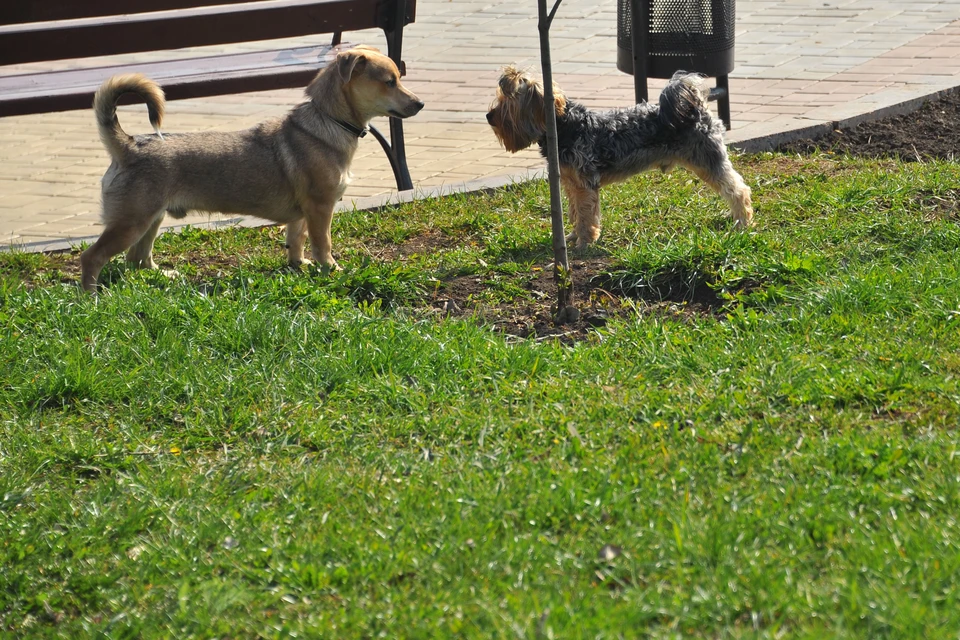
(346, 126)
(349, 128)
(355, 130)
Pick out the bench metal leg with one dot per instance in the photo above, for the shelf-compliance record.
(395, 149)
(398, 161)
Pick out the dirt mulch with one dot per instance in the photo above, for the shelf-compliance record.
(931, 132)
(596, 297)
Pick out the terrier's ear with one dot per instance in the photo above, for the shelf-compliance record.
(530, 120)
(559, 101)
(349, 63)
(512, 80)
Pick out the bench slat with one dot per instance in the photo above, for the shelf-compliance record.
(201, 26)
(180, 79)
(20, 11)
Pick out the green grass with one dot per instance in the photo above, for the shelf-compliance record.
(246, 451)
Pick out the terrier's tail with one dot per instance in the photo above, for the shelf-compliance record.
(115, 139)
(682, 100)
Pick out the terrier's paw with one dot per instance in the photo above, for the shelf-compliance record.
(585, 239)
(582, 244)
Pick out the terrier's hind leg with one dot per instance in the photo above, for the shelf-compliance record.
(724, 179)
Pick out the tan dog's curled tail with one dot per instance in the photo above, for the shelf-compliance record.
(115, 139)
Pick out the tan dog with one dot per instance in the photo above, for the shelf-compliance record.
(291, 170)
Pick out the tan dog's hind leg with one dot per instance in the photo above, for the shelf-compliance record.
(319, 218)
(115, 239)
(140, 255)
(296, 238)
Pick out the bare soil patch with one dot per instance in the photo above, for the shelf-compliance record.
(930, 132)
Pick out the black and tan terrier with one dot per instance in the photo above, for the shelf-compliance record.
(597, 149)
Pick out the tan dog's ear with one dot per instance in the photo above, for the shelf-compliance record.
(349, 63)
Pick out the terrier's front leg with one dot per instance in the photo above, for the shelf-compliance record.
(572, 185)
(571, 216)
(588, 217)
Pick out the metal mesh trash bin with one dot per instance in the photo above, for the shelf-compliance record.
(660, 37)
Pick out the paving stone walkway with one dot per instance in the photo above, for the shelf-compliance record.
(800, 64)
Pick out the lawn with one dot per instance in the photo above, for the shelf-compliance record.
(757, 439)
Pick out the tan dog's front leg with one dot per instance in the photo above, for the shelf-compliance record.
(296, 238)
(319, 218)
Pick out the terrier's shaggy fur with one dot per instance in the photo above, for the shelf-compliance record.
(597, 149)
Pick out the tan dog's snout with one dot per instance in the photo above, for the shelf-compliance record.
(411, 105)
(374, 80)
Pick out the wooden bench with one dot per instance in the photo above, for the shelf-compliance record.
(37, 31)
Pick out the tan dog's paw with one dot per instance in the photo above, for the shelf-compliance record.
(325, 267)
(299, 264)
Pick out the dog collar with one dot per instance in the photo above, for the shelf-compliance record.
(357, 131)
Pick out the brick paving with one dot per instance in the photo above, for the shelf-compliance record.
(800, 64)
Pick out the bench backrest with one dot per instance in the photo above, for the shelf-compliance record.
(87, 28)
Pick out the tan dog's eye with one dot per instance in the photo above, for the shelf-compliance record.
(391, 83)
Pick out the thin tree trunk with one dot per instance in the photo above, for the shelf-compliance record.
(561, 266)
